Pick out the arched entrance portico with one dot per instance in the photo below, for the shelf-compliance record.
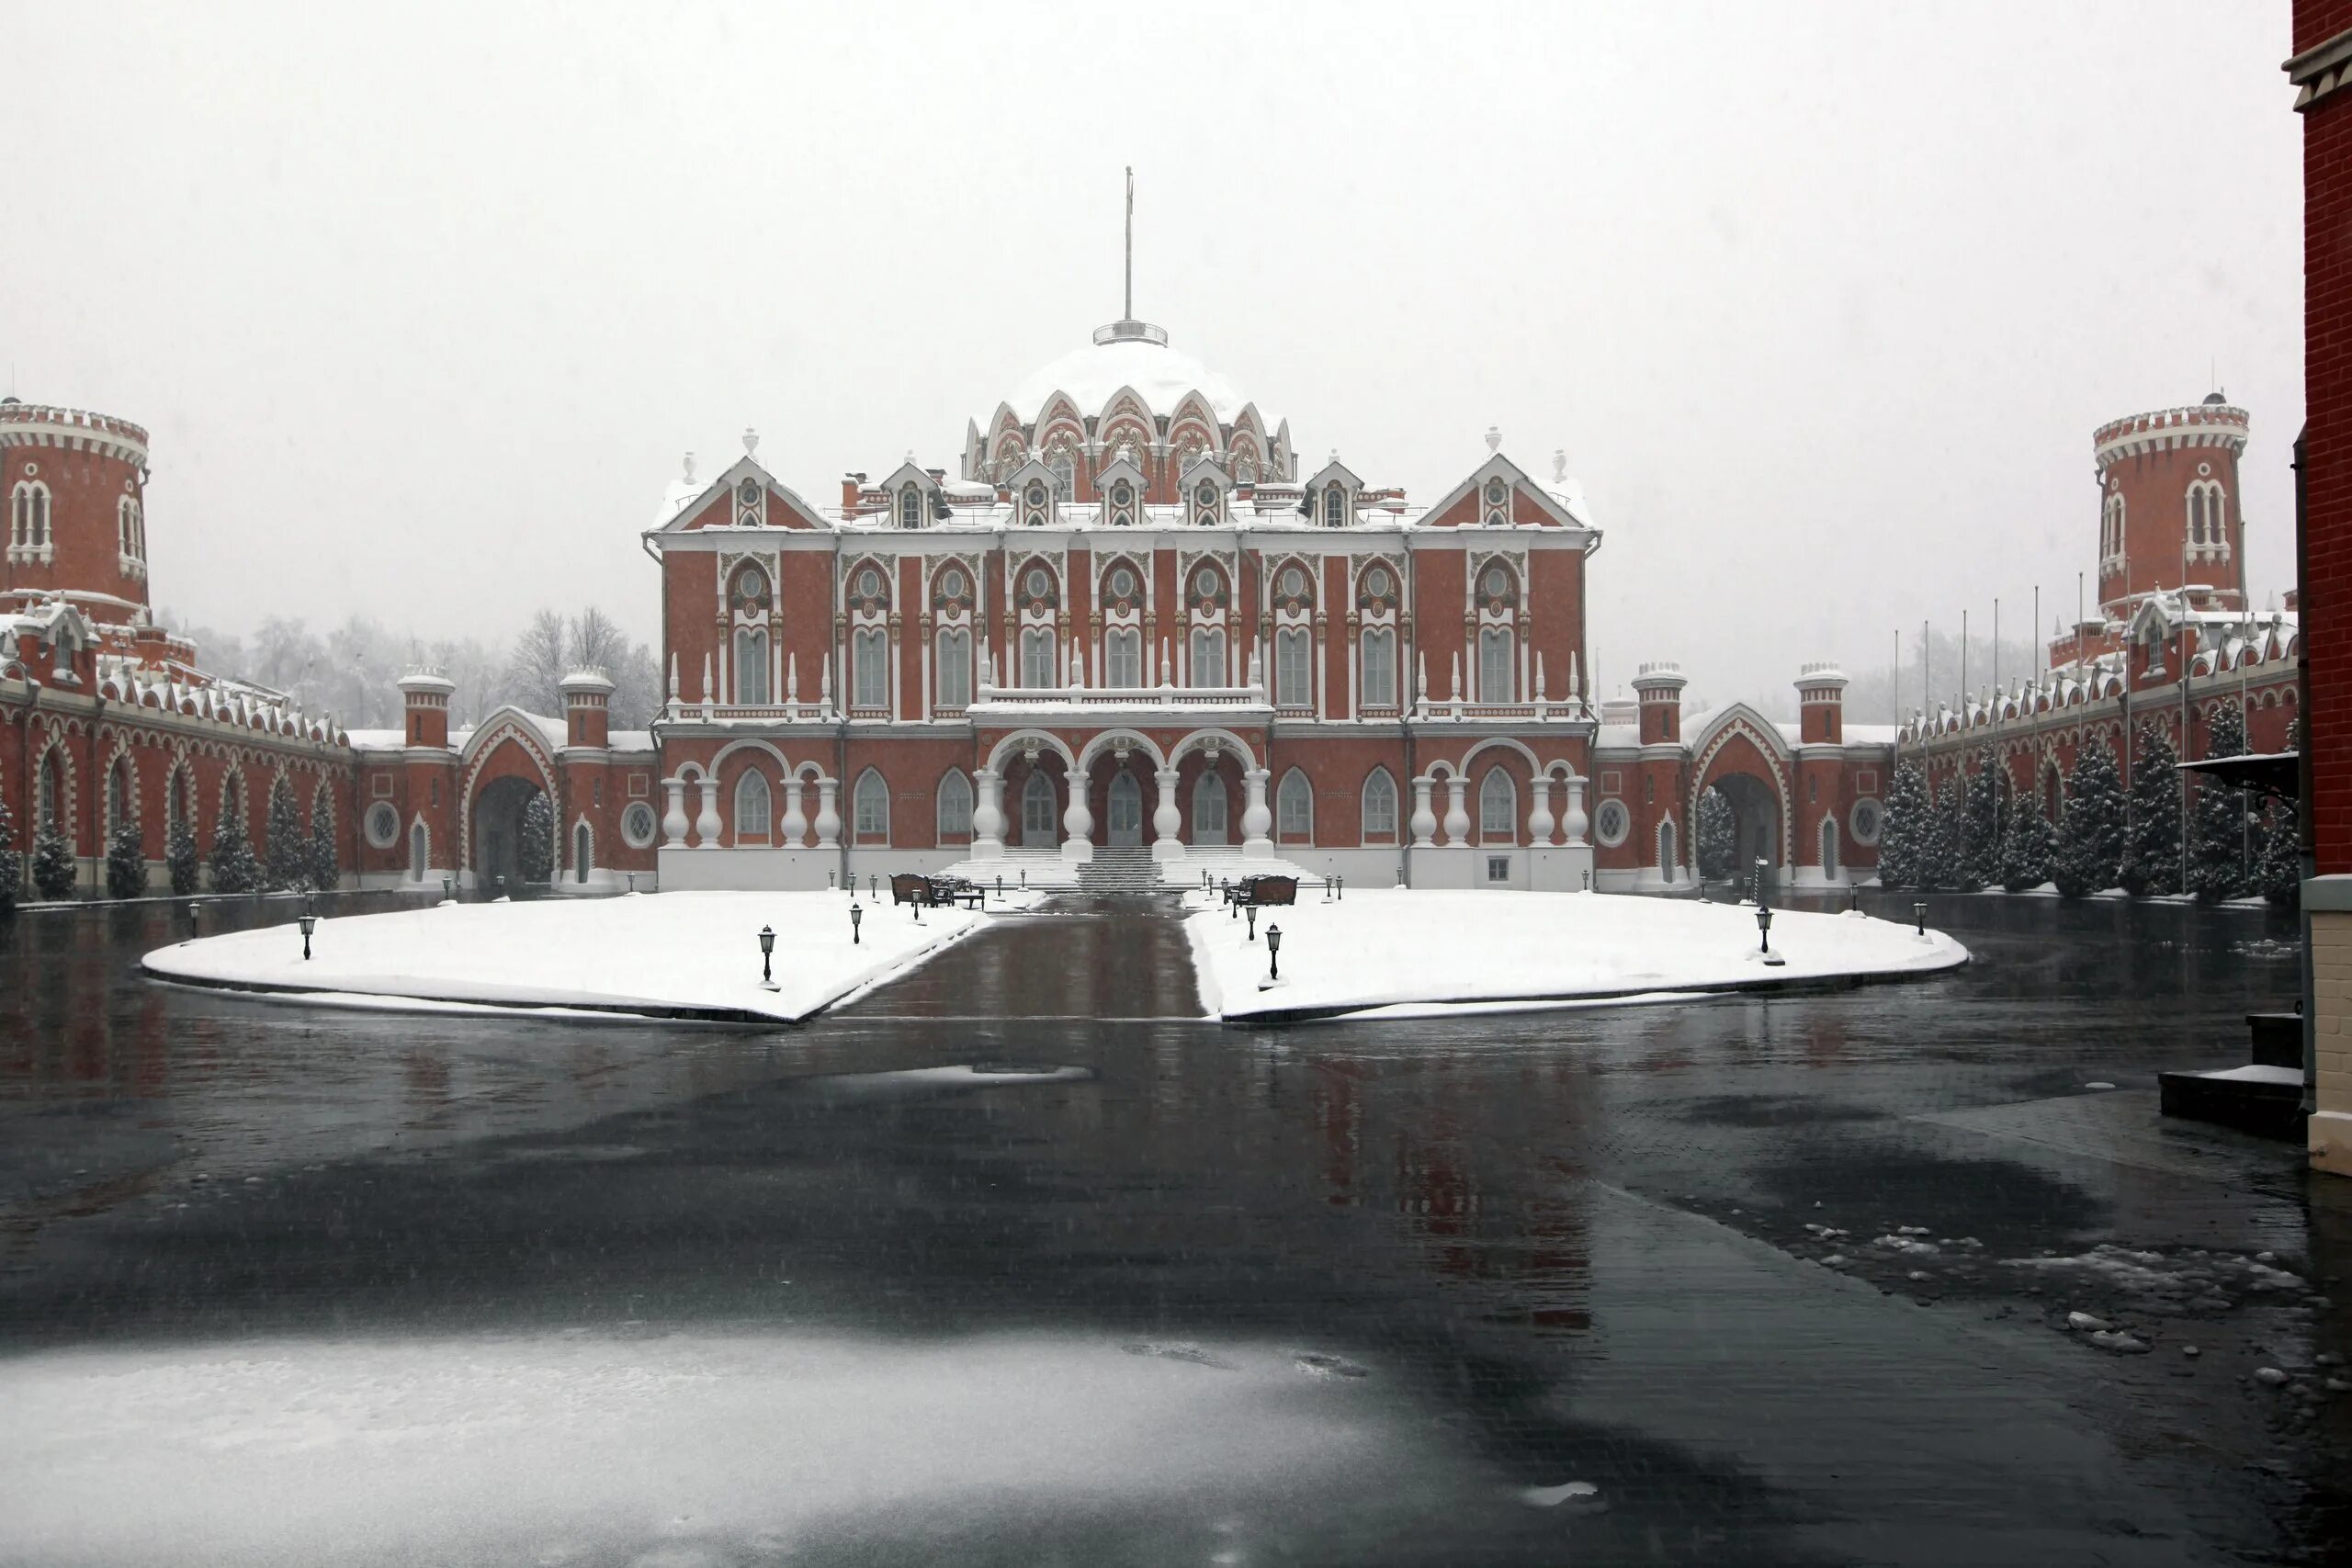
(498, 830)
(1756, 822)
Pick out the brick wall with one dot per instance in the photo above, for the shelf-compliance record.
(2326, 587)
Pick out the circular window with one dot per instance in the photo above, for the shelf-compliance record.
(637, 825)
(1611, 823)
(1206, 495)
(751, 585)
(951, 584)
(383, 825)
(1205, 584)
(1496, 493)
(1039, 583)
(1375, 582)
(869, 584)
(1865, 820)
(1497, 582)
(750, 492)
(1123, 585)
(1120, 494)
(1293, 582)
(1036, 494)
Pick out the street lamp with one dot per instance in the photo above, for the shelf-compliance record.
(1254, 922)
(1273, 952)
(767, 950)
(632, 882)
(1919, 913)
(1764, 930)
(308, 923)
(1343, 890)
(856, 915)
(1587, 881)
(194, 910)
(873, 887)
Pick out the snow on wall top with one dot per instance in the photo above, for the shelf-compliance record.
(1092, 375)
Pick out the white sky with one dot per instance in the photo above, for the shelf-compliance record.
(1824, 301)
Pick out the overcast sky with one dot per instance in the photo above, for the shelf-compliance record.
(1824, 303)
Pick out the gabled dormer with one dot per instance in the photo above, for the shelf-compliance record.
(1207, 490)
(1499, 493)
(745, 496)
(1120, 488)
(1036, 502)
(1330, 498)
(917, 499)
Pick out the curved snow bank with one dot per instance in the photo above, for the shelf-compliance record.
(676, 955)
(1418, 952)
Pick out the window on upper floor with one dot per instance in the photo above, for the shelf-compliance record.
(1335, 506)
(751, 668)
(870, 664)
(954, 671)
(1293, 668)
(911, 507)
(1123, 656)
(1379, 651)
(1065, 472)
(1207, 657)
(1497, 672)
(1037, 667)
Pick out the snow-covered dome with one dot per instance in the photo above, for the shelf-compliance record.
(1140, 360)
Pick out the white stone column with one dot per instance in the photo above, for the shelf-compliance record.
(987, 814)
(1077, 822)
(796, 820)
(1457, 812)
(1539, 816)
(1574, 823)
(829, 814)
(706, 819)
(673, 821)
(1257, 821)
(1167, 822)
(1424, 818)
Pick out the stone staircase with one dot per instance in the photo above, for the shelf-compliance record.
(1125, 870)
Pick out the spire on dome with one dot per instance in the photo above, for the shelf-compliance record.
(1127, 329)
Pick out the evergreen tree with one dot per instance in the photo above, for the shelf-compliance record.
(2152, 841)
(326, 870)
(2029, 848)
(2090, 828)
(234, 867)
(54, 872)
(1718, 837)
(126, 862)
(2217, 835)
(180, 857)
(289, 845)
(1982, 814)
(1903, 837)
(12, 865)
(1952, 861)
(2278, 873)
(534, 856)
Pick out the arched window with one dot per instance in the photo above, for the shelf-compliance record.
(1209, 802)
(1294, 807)
(1208, 657)
(1037, 672)
(1379, 688)
(582, 847)
(1293, 668)
(871, 654)
(1380, 807)
(911, 507)
(1335, 506)
(121, 803)
(1497, 674)
(954, 809)
(1123, 656)
(1038, 811)
(752, 667)
(1666, 855)
(872, 808)
(1829, 848)
(753, 801)
(49, 800)
(419, 851)
(1065, 472)
(954, 671)
(1497, 808)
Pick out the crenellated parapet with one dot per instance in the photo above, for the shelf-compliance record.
(76, 430)
(2164, 429)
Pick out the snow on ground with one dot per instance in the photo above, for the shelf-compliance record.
(693, 954)
(1425, 952)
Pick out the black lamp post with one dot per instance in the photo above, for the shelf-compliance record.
(1254, 922)
(632, 882)
(873, 887)
(1919, 913)
(1273, 952)
(767, 950)
(1343, 890)
(1764, 929)
(1587, 881)
(308, 923)
(1000, 887)
(194, 911)
(1326, 890)
(856, 915)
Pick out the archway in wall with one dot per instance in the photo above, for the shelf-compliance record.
(1716, 840)
(1755, 820)
(498, 830)
(1034, 802)
(1119, 795)
(1210, 796)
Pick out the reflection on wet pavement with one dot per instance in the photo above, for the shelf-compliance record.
(1784, 1280)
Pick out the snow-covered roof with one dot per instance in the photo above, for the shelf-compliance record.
(631, 739)
(377, 739)
(1092, 375)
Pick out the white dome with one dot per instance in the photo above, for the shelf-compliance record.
(1091, 376)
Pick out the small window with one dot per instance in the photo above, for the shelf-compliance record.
(752, 809)
(1335, 507)
(1204, 583)
(747, 494)
(1123, 494)
(1497, 582)
(869, 584)
(1206, 496)
(1123, 584)
(1037, 495)
(1498, 868)
(1294, 583)
(1040, 585)
(911, 507)
(1496, 492)
(1375, 582)
(383, 825)
(637, 825)
(951, 584)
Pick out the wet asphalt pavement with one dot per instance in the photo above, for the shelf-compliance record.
(1017, 1261)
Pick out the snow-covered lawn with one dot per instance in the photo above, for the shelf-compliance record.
(690, 954)
(1423, 952)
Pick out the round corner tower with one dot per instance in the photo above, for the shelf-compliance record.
(2168, 507)
(75, 492)
(1659, 685)
(1821, 704)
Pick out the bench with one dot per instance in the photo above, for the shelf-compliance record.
(912, 887)
(1258, 892)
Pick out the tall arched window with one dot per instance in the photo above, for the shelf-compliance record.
(872, 808)
(121, 805)
(753, 802)
(952, 673)
(1497, 676)
(1294, 807)
(1335, 506)
(1038, 811)
(1379, 687)
(1666, 855)
(1497, 808)
(1037, 672)
(1209, 808)
(954, 809)
(1065, 472)
(583, 846)
(1380, 807)
(871, 662)
(1829, 848)
(1123, 656)
(1293, 668)
(49, 800)
(419, 851)
(1208, 657)
(911, 507)
(752, 667)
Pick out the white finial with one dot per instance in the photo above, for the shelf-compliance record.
(910, 453)
(1334, 454)
(1559, 466)
(690, 468)
(750, 441)
(1494, 438)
